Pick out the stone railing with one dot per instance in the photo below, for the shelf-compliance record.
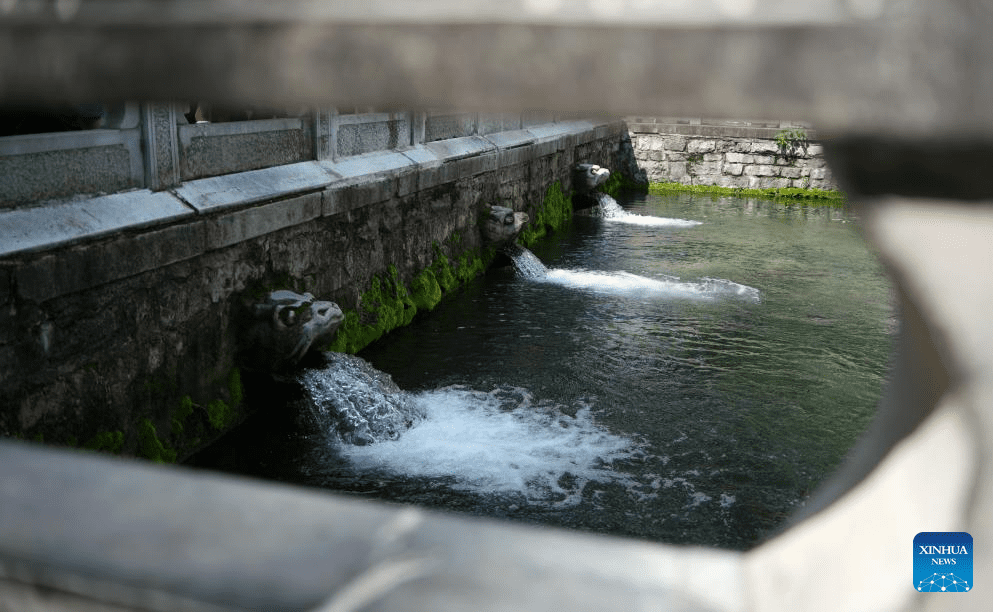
(153, 146)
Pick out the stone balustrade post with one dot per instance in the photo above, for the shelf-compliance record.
(325, 134)
(418, 128)
(161, 150)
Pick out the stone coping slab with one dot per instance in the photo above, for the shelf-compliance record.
(459, 148)
(511, 139)
(422, 156)
(549, 131)
(367, 164)
(235, 190)
(33, 229)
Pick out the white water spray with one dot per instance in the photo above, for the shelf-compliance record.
(498, 442)
(624, 283)
(609, 209)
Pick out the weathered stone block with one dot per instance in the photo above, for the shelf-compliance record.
(764, 159)
(696, 145)
(764, 146)
(739, 158)
(250, 223)
(656, 171)
(742, 146)
(734, 182)
(674, 143)
(713, 157)
(407, 182)
(84, 267)
(359, 194)
(760, 170)
(330, 205)
(704, 168)
(790, 172)
(733, 169)
(676, 170)
(818, 174)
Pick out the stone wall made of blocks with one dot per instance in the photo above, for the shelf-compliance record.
(751, 163)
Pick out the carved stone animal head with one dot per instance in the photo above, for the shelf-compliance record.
(503, 225)
(587, 177)
(284, 326)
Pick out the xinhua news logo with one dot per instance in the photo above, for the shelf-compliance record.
(943, 562)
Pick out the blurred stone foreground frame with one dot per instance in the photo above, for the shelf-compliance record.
(903, 86)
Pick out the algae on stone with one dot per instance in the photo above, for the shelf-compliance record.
(149, 445)
(554, 211)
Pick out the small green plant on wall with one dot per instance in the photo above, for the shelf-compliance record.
(791, 142)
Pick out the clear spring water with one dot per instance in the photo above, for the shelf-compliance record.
(683, 369)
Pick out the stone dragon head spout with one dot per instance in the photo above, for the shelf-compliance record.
(503, 225)
(587, 177)
(283, 326)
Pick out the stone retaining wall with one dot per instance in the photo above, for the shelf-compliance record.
(728, 154)
(118, 314)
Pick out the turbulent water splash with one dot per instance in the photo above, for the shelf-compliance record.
(526, 263)
(625, 283)
(608, 208)
(497, 442)
(357, 403)
(501, 442)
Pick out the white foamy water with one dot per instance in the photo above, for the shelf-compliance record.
(526, 262)
(612, 211)
(500, 442)
(626, 283)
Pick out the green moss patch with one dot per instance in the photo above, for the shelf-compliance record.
(384, 307)
(786, 195)
(389, 304)
(471, 265)
(220, 414)
(106, 441)
(425, 291)
(555, 210)
(442, 270)
(179, 417)
(149, 445)
(619, 182)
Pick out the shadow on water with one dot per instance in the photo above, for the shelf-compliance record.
(682, 369)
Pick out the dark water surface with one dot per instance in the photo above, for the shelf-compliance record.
(684, 371)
